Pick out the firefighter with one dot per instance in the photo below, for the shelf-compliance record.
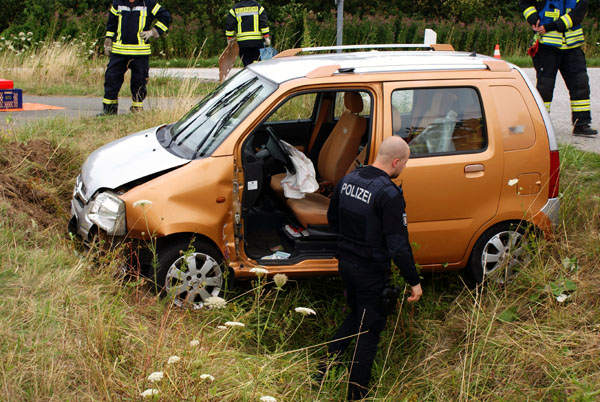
(557, 24)
(247, 23)
(128, 33)
(368, 210)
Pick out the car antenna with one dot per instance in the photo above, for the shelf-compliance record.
(474, 54)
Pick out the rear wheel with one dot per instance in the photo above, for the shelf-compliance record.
(499, 252)
(190, 273)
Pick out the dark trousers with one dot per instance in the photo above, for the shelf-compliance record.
(364, 287)
(249, 55)
(571, 64)
(115, 74)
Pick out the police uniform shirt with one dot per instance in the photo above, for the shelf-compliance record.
(368, 210)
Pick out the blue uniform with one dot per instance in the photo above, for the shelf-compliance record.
(368, 210)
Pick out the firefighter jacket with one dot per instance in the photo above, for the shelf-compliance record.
(561, 19)
(127, 20)
(247, 21)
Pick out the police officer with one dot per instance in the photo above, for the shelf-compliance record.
(367, 209)
(128, 32)
(558, 25)
(247, 22)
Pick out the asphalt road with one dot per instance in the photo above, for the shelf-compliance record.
(86, 106)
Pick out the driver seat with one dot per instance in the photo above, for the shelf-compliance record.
(340, 148)
(336, 157)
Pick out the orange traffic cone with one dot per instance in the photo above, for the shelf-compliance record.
(497, 52)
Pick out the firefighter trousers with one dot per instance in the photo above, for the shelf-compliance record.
(115, 74)
(571, 64)
(249, 55)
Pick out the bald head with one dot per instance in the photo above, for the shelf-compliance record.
(392, 156)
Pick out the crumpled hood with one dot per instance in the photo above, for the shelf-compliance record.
(127, 159)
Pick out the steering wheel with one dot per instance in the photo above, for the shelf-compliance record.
(278, 152)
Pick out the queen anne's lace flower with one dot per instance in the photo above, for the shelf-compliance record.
(234, 324)
(156, 376)
(194, 342)
(267, 398)
(142, 203)
(305, 311)
(221, 327)
(215, 302)
(280, 280)
(207, 377)
(149, 392)
(259, 271)
(173, 359)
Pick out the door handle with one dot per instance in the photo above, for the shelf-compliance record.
(477, 167)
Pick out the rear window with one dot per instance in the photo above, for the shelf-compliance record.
(437, 121)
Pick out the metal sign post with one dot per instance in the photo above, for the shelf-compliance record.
(340, 23)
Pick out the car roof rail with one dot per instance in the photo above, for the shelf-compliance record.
(432, 46)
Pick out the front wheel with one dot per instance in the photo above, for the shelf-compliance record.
(190, 273)
(499, 252)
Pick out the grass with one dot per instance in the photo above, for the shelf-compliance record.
(72, 329)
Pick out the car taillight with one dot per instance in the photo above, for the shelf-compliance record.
(554, 174)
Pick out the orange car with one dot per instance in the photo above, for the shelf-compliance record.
(484, 167)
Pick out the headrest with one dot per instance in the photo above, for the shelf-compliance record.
(396, 121)
(353, 102)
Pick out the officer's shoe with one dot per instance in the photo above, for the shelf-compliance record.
(584, 131)
(108, 110)
(136, 109)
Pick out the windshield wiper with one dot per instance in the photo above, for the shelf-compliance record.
(223, 120)
(229, 96)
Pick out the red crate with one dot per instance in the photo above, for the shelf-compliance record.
(11, 99)
(6, 84)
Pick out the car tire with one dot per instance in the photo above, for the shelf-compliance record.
(499, 251)
(189, 272)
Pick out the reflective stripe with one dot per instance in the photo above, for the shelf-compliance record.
(110, 101)
(124, 8)
(566, 19)
(112, 10)
(137, 104)
(142, 24)
(134, 50)
(162, 26)
(264, 31)
(110, 34)
(547, 104)
(581, 105)
(528, 11)
(139, 8)
(155, 9)
(229, 33)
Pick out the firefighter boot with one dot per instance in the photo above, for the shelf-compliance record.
(136, 109)
(109, 110)
(584, 131)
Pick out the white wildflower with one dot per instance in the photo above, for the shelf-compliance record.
(142, 203)
(280, 280)
(259, 271)
(149, 392)
(305, 311)
(156, 376)
(29, 33)
(173, 359)
(194, 342)
(215, 302)
(234, 324)
(208, 377)
(221, 327)
(512, 182)
(267, 398)
(561, 297)
(21, 33)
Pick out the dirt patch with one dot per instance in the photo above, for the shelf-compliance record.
(36, 181)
